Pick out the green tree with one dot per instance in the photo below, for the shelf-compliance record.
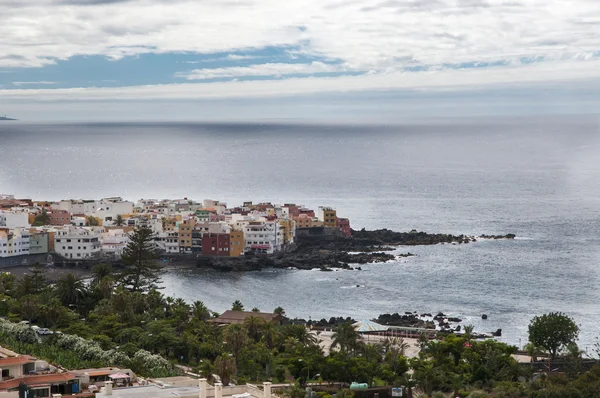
(143, 271)
(91, 221)
(119, 221)
(345, 337)
(42, 218)
(468, 329)
(101, 271)
(279, 311)
(553, 331)
(236, 337)
(237, 306)
(200, 311)
(70, 289)
(30, 308)
(255, 309)
(225, 367)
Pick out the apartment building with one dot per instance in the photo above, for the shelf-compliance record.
(78, 242)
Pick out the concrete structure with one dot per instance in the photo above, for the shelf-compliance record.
(185, 235)
(22, 370)
(14, 242)
(343, 224)
(168, 242)
(114, 242)
(14, 219)
(77, 243)
(263, 237)
(303, 221)
(327, 216)
(236, 242)
(110, 208)
(215, 244)
(59, 217)
(39, 243)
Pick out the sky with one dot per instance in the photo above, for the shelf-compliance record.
(296, 59)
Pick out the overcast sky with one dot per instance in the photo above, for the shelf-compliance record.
(308, 59)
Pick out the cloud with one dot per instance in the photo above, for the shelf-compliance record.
(388, 33)
(585, 73)
(262, 70)
(44, 83)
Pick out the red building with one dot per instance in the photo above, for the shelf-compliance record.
(308, 212)
(215, 244)
(343, 224)
(59, 217)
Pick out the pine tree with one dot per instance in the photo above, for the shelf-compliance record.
(143, 271)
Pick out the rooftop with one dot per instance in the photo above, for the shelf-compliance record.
(154, 392)
(36, 380)
(230, 316)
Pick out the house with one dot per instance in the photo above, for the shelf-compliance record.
(238, 317)
(263, 237)
(14, 242)
(99, 376)
(59, 217)
(327, 216)
(77, 242)
(215, 244)
(21, 370)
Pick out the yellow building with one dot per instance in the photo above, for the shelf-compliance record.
(185, 235)
(236, 241)
(288, 230)
(303, 221)
(328, 216)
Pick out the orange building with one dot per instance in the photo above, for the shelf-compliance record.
(236, 241)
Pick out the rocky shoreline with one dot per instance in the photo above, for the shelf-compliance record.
(332, 251)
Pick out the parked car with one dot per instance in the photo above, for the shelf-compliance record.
(43, 331)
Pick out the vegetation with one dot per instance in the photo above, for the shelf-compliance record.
(122, 319)
(42, 218)
(554, 331)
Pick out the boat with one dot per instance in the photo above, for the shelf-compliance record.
(5, 118)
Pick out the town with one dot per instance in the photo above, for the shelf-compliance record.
(83, 230)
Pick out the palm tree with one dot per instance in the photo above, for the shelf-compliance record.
(119, 221)
(101, 271)
(207, 369)
(255, 309)
(30, 308)
(70, 289)
(270, 335)
(200, 310)
(254, 325)
(237, 306)
(279, 311)
(409, 383)
(300, 333)
(345, 336)
(225, 367)
(236, 337)
(25, 286)
(468, 332)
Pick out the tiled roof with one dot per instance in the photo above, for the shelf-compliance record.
(59, 378)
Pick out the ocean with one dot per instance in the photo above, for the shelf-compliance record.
(538, 178)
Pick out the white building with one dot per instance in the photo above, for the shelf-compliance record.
(168, 242)
(114, 242)
(14, 242)
(77, 242)
(14, 219)
(110, 208)
(263, 237)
